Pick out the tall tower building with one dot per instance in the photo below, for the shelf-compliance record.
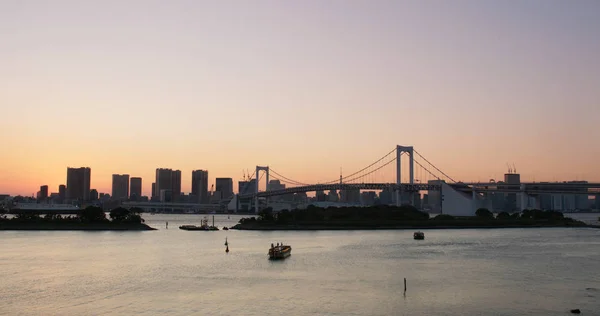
(62, 192)
(176, 184)
(120, 186)
(200, 185)
(43, 192)
(167, 181)
(225, 186)
(135, 188)
(78, 183)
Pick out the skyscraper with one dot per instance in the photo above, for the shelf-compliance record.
(120, 186)
(200, 185)
(167, 180)
(78, 183)
(135, 188)
(225, 186)
(43, 192)
(62, 192)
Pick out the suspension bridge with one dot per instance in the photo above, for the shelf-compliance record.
(388, 169)
(404, 172)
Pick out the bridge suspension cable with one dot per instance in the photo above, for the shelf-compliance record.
(431, 173)
(350, 177)
(372, 171)
(289, 181)
(363, 169)
(436, 168)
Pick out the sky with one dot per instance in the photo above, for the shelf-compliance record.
(305, 87)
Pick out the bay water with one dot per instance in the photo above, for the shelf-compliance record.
(535, 271)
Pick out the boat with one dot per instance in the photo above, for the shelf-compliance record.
(203, 227)
(419, 235)
(280, 251)
(194, 227)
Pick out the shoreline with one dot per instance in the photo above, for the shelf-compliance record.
(75, 227)
(405, 227)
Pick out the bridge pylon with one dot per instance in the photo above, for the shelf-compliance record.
(258, 169)
(410, 151)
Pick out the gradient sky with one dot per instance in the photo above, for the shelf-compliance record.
(305, 87)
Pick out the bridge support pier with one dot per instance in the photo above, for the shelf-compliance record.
(399, 151)
(258, 169)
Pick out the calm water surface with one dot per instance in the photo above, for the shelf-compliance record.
(176, 272)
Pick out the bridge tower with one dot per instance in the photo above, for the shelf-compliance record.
(399, 150)
(258, 169)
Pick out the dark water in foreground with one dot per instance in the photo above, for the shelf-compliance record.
(174, 272)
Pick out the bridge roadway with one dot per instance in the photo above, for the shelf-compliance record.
(343, 186)
(535, 185)
(530, 188)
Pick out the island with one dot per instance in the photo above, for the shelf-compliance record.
(397, 217)
(90, 218)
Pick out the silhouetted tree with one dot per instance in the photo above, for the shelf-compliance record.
(484, 213)
(136, 210)
(266, 215)
(50, 216)
(503, 215)
(119, 214)
(444, 217)
(92, 214)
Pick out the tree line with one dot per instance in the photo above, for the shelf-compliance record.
(90, 214)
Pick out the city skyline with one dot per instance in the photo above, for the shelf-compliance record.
(305, 87)
(146, 190)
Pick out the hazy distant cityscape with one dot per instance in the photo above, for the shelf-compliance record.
(166, 189)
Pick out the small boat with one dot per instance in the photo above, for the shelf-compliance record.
(194, 227)
(225, 228)
(203, 227)
(419, 235)
(280, 251)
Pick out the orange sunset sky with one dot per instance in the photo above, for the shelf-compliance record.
(305, 87)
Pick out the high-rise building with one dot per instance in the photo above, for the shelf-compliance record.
(120, 186)
(43, 192)
(94, 195)
(512, 181)
(62, 191)
(153, 194)
(135, 188)
(168, 180)
(275, 185)
(176, 184)
(78, 183)
(225, 186)
(200, 185)
(246, 187)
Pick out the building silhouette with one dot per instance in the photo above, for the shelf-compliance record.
(135, 187)
(225, 187)
(120, 186)
(78, 184)
(200, 186)
(167, 181)
(43, 193)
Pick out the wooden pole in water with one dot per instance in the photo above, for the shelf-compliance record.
(404, 284)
